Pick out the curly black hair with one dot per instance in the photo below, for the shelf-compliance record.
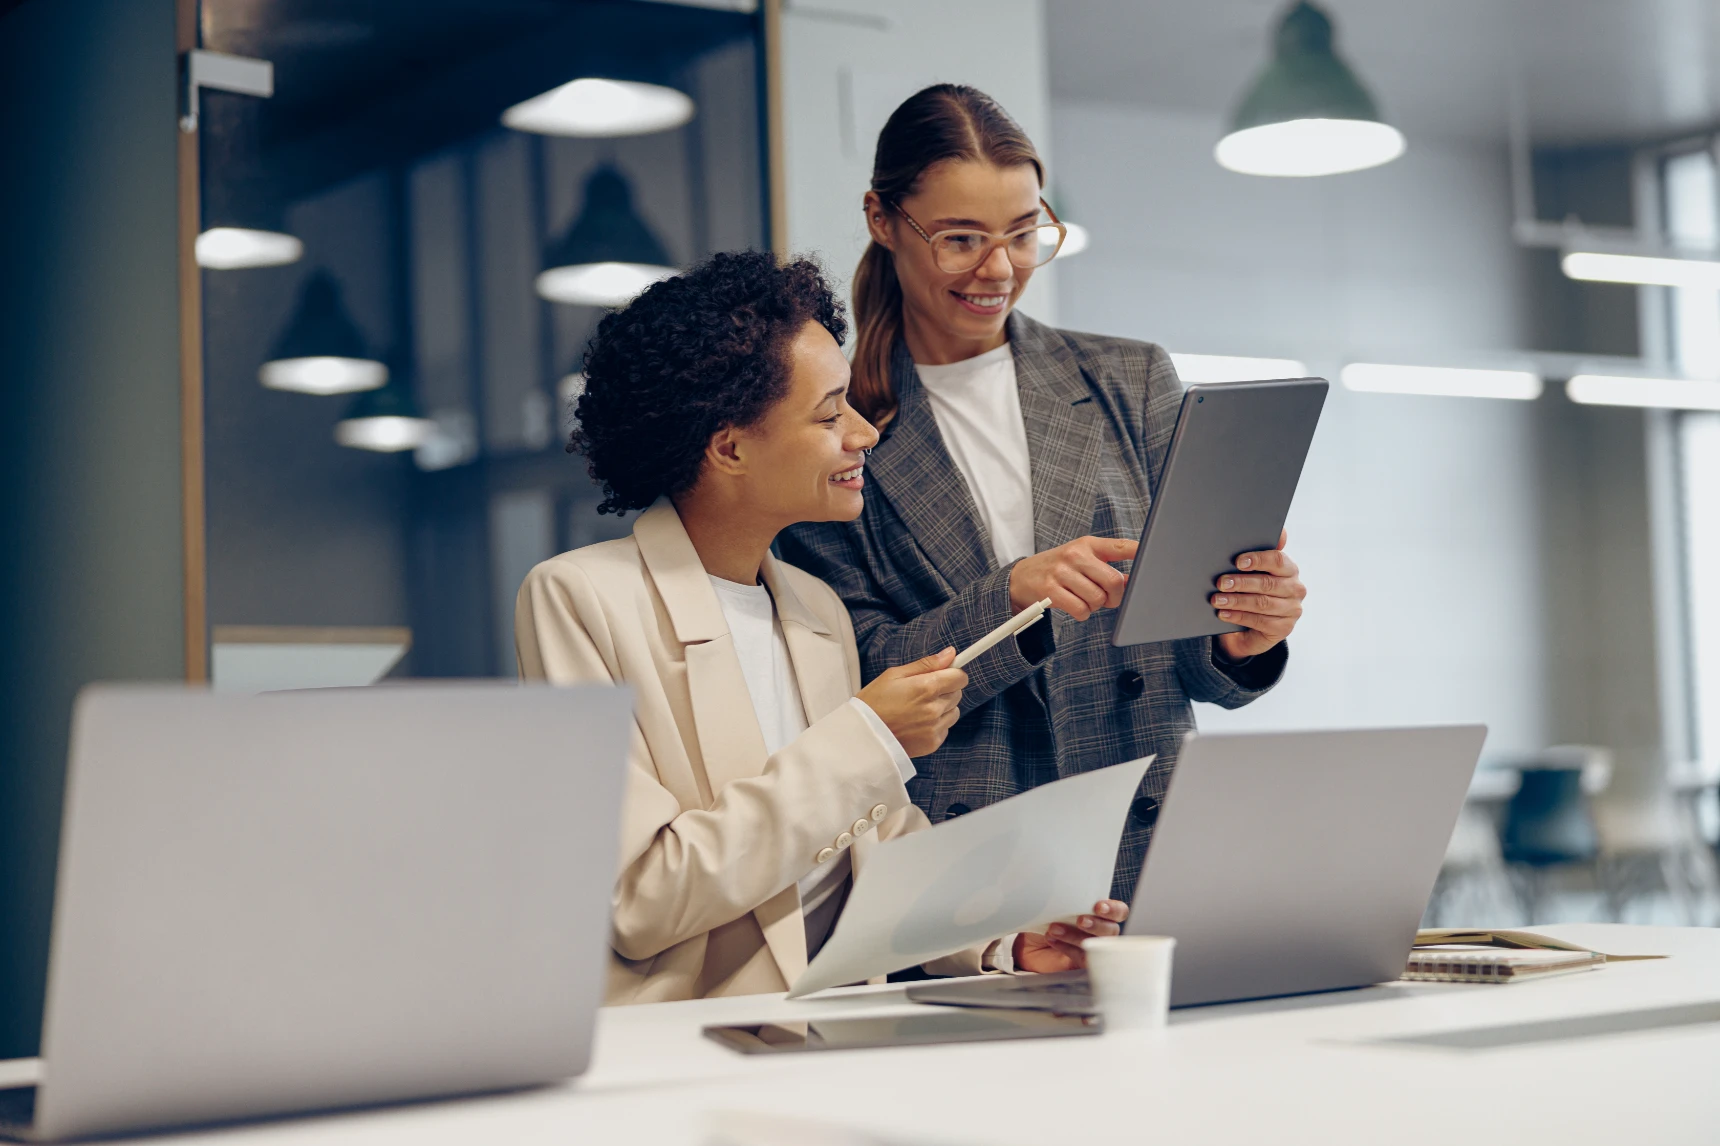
(693, 354)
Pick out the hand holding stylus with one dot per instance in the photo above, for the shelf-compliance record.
(918, 701)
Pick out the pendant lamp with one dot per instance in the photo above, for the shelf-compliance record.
(593, 107)
(385, 420)
(1307, 113)
(609, 254)
(322, 350)
(243, 225)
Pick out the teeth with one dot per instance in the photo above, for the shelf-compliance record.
(849, 475)
(985, 299)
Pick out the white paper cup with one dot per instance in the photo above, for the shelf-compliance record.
(1131, 979)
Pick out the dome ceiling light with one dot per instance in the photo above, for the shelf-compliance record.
(598, 108)
(1307, 113)
(234, 248)
(609, 254)
(322, 350)
(386, 421)
(244, 225)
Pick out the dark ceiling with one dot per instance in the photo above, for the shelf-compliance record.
(362, 84)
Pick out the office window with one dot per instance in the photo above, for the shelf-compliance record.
(1693, 219)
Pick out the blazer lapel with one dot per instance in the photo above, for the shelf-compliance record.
(1065, 433)
(731, 745)
(913, 469)
(820, 668)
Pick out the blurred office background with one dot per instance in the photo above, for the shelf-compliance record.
(406, 245)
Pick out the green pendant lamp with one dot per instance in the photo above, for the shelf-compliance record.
(1307, 114)
(609, 254)
(385, 420)
(322, 351)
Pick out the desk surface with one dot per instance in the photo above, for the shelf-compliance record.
(1309, 1069)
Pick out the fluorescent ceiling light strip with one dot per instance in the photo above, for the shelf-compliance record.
(1659, 393)
(1234, 368)
(1441, 381)
(1642, 270)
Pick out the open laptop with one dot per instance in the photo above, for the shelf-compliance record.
(1283, 863)
(309, 900)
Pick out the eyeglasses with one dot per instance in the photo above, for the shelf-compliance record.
(961, 249)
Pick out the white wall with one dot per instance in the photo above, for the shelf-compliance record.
(1417, 523)
(848, 63)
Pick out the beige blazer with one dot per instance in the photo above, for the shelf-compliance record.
(715, 835)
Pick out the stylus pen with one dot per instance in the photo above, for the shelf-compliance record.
(1008, 629)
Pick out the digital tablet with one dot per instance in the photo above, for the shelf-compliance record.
(1224, 490)
(926, 1026)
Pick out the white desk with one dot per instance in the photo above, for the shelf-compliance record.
(1301, 1070)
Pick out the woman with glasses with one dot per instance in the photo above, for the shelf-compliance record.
(1016, 464)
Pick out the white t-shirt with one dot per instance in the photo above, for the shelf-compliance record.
(769, 675)
(978, 410)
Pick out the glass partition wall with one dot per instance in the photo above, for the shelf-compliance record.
(406, 248)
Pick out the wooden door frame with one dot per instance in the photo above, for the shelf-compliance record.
(776, 171)
(192, 511)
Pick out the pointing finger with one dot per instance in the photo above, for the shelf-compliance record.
(1110, 548)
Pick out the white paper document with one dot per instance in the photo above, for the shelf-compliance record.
(1020, 864)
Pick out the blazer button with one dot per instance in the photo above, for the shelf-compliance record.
(879, 812)
(824, 856)
(844, 840)
(955, 810)
(862, 826)
(1130, 683)
(1144, 811)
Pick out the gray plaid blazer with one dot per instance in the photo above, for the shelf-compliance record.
(918, 574)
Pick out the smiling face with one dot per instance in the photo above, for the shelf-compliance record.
(802, 461)
(951, 317)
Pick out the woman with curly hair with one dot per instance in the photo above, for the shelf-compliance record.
(761, 772)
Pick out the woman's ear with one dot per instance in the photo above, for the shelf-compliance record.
(723, 452)
(878, 221)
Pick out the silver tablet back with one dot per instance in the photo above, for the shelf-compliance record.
(1287, 862)
(316, 899)
(1225, 489)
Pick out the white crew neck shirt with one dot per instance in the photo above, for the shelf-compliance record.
(978, 411)
(769, 675)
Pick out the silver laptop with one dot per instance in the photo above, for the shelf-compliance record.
(1283, 863)
(309, 900)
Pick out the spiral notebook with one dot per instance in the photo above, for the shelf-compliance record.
(1456, 955)
(1492, 965)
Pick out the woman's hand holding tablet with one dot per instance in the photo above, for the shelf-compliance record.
(1264, 596)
